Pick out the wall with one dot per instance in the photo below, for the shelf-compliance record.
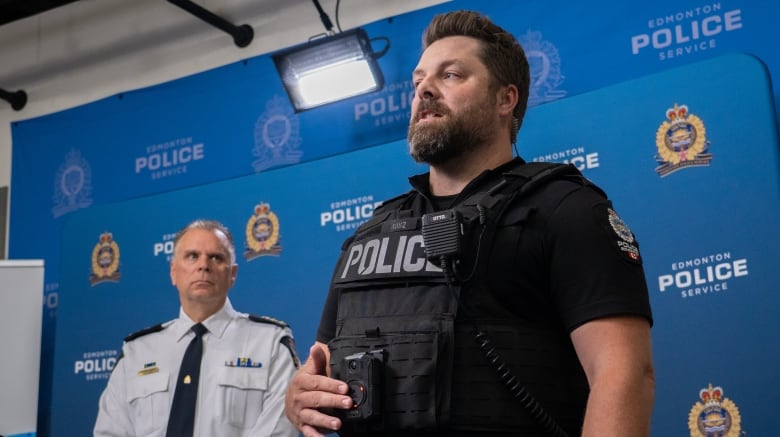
(88, 50)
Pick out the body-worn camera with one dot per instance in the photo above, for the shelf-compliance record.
(363, 374)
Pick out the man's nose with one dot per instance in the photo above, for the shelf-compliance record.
(203, 263)
(426, 89)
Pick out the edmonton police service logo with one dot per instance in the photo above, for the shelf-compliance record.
(277, 136)
(714, 415)
(72, 185)
(262, 233)
(545, 64)
(626, 244)
(620, 227)
(681, 142)
(105, 260)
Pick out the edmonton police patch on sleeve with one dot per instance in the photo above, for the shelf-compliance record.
(624, 240)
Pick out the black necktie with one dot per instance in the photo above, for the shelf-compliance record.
(181, 422)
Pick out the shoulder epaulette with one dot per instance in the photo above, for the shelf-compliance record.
(145, 331)
(266, 319)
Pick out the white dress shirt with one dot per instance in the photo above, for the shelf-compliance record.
(245, 370)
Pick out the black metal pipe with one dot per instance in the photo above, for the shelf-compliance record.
(323, 17)
(17, 99)
(242, 35)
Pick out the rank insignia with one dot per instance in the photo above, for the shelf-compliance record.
(148, 369)
(714, 415)
(105, 260)
(243, 362)
(262, 233)
(681, 142)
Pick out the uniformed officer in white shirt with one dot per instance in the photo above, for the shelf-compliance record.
(246, 364)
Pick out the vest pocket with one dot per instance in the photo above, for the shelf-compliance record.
(412, 384)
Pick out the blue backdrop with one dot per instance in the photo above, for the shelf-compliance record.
(217, 144)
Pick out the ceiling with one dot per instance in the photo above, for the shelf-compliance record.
(63, 53)
(12, 10)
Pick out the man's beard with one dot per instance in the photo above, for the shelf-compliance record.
(440, 141)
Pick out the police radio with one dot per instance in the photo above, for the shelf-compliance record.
(442, 233)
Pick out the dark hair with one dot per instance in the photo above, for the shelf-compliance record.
(208, 225)
(501, 53)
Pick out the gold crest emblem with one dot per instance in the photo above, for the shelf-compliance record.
(681, 141)
(714, 415)
(105, 260)
(262, 233)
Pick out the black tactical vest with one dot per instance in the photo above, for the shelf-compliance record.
(426, 363)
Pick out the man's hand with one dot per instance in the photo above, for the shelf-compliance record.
(310, 391)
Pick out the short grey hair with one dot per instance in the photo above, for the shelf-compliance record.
(208, 225)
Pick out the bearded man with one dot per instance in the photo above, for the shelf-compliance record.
(497, 297)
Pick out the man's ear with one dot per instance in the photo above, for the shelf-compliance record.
(508, 98)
